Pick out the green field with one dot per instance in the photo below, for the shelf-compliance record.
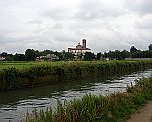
(24, 64)
(18, 65)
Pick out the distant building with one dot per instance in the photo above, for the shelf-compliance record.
(79, 49)
(51, 57)
(2, 58)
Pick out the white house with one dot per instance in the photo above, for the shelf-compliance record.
(48, 57)
(2, 58)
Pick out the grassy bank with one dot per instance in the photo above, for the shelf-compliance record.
(29, 74)
(114, 108)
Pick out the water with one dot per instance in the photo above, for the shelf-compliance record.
(14, 104)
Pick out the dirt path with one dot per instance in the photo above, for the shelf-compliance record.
(143, 115)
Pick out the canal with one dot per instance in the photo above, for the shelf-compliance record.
(15, 104)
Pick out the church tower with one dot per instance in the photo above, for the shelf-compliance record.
(84, 43)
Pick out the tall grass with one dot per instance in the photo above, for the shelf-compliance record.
(114, 108)
(37, 73)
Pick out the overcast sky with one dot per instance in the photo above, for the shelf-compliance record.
(59, 24)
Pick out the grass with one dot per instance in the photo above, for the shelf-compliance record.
(114, 108)
(24, 64)
(15, 75)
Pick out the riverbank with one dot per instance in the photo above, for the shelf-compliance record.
(20, 75)
(114, 108)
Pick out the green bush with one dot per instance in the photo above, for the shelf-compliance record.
(10, 79)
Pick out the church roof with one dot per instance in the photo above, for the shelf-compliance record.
(79, 49)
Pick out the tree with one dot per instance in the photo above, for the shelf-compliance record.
(4, 54)
(150, 47)
(61, 56)
(37, 53)
(142, 54)
(133, 49)
(9, 57)
(19, 57)
(117, 54)
(68, 56)
(99, 56)
(135, 54)
(125, 54)
(30, 55)
(89, 56)
(45, 52)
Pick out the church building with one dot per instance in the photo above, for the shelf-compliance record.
(79, 49)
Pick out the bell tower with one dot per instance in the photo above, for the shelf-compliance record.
(84, 43)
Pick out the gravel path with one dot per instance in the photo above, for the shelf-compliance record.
(142, 115)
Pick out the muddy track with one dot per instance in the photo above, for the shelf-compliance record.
(144, 114)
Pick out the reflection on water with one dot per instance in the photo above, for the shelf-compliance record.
(14, 104)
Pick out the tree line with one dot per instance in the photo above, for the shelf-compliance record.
(31, 55)
(121, 55)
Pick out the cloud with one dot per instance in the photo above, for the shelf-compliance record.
(139, 6)
(97, 9)
(145, 22)
(57, 25)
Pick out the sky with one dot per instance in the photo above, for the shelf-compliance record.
(59, 24)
